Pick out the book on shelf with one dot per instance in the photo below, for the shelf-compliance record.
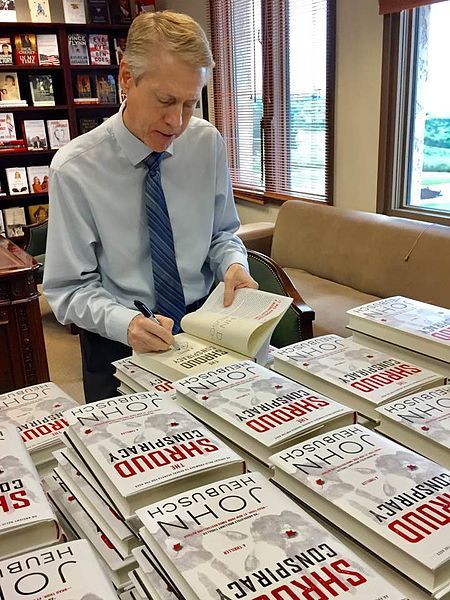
(13, 146)
(34, 133)
(14, 221)
(38, 179)
(42, 90)
(78, 49)
(8, 8)
(98, 11)
(215, 335)
(58, 133)
(119, 48)
(17, 180)
(84, 89)
(47, 48)
(67, 571)
(37, 412)
(132, 444)
(105, 86)
(121, 11)
(39, 11)
(7, 127)
(27, 521)
(85, 101)
(38, 213)
(10, 90)
(2, 222)
(420, 422)
(144, 6)
(146, 580)
(99, 49)
(140, 380)
(359, 377)
(245, 537)
(74, 11)
(86, 124)
(407, 323)
(258, 409)
(6, 57)
(25, 49)
(391, 499)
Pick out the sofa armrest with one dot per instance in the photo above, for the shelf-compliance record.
(296, 324)
(257, 236)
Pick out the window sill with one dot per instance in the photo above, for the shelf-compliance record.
(420, 215)
(262, 199)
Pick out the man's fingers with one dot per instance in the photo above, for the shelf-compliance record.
(228, 294)
(144, 335)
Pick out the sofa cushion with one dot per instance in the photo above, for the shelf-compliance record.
(329, 300)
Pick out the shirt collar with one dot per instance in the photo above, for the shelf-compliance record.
(134, 149)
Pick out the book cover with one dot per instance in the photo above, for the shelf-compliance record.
(86, 124)
(138, 444)
(38, 179)
(257, 408)
(42, 90)
(7, 127)
(25, 49)
(121, 11)
(47, 47)
(243, 537)
(37, 412)
(145, 6)
(34, 132)
(17, 181)
(78, 50)
(106, 89)
(14, 221)
(58, 132)
(141, 380)
(9, 11)
(421, 422)
(84, 89)
(362, 377)
(2, 221)
(392, 499)
(74, 11)
(26, 519)
(120, 45)
(98, 11)
(6, 57)
(39, 11)
(406, 322)
(67, 571)
(38, 213)
(9, 88)
(99, 49)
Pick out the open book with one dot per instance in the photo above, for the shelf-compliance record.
(215, 335)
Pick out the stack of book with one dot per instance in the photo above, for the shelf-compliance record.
(244, 538)
(147, 582)
(37, 412)
(355, 375)
(391, 499)
(135, 379)
(67, 571)
(406, 328)
(258, 410)
(27, 521)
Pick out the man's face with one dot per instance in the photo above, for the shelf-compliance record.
(5, 49)
(161, 104)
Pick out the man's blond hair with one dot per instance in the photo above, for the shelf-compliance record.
(153, 34)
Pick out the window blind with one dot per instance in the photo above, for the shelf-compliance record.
(391, 6)
(273, 94)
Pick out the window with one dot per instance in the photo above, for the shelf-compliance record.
(415, 122)
(273, 95)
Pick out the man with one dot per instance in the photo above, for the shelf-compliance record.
(107, 243)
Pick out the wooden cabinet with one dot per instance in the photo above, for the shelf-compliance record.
(23, 358)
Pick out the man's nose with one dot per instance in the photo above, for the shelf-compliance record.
(174, 117)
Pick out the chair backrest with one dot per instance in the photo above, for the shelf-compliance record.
(296, 324)
(36, 238)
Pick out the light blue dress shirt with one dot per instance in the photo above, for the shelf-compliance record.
(98, 250)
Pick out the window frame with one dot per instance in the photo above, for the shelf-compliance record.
(272, 65)
(395, 143)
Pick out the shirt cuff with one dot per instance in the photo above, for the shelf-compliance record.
(231, 258)
(118, 322)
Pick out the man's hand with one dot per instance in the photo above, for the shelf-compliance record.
(236, 277)
(144, 335)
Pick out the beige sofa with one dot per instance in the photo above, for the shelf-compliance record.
(339, 259)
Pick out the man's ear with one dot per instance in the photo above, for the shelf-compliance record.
(125, 76)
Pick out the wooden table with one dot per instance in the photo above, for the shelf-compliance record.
(23, 359)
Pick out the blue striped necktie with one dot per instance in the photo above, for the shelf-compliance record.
(169, 297)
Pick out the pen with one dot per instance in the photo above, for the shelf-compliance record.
(143, 309)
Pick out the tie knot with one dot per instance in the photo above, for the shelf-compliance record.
(153, 161)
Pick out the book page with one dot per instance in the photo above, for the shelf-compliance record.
(244, 326)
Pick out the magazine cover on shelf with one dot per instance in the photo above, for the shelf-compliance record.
(9, 89)
(42, 90)
(17, 180)
(6, 57)
(34, 132)
(99, 49)
(14, 221)
(74, 11)
(105, 86)
(25, 49)
(245, 538)
(58, 133)
(8, 9)
(47, 47)
(119, 48)
(98, 11)
(407, 323)
(39, 11)
(68, 571)
(38, 213)
(78, 49)
(421, 422)
(38, 180)
(7, 127)
(389, 498)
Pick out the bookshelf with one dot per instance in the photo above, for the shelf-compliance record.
(65, 77)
